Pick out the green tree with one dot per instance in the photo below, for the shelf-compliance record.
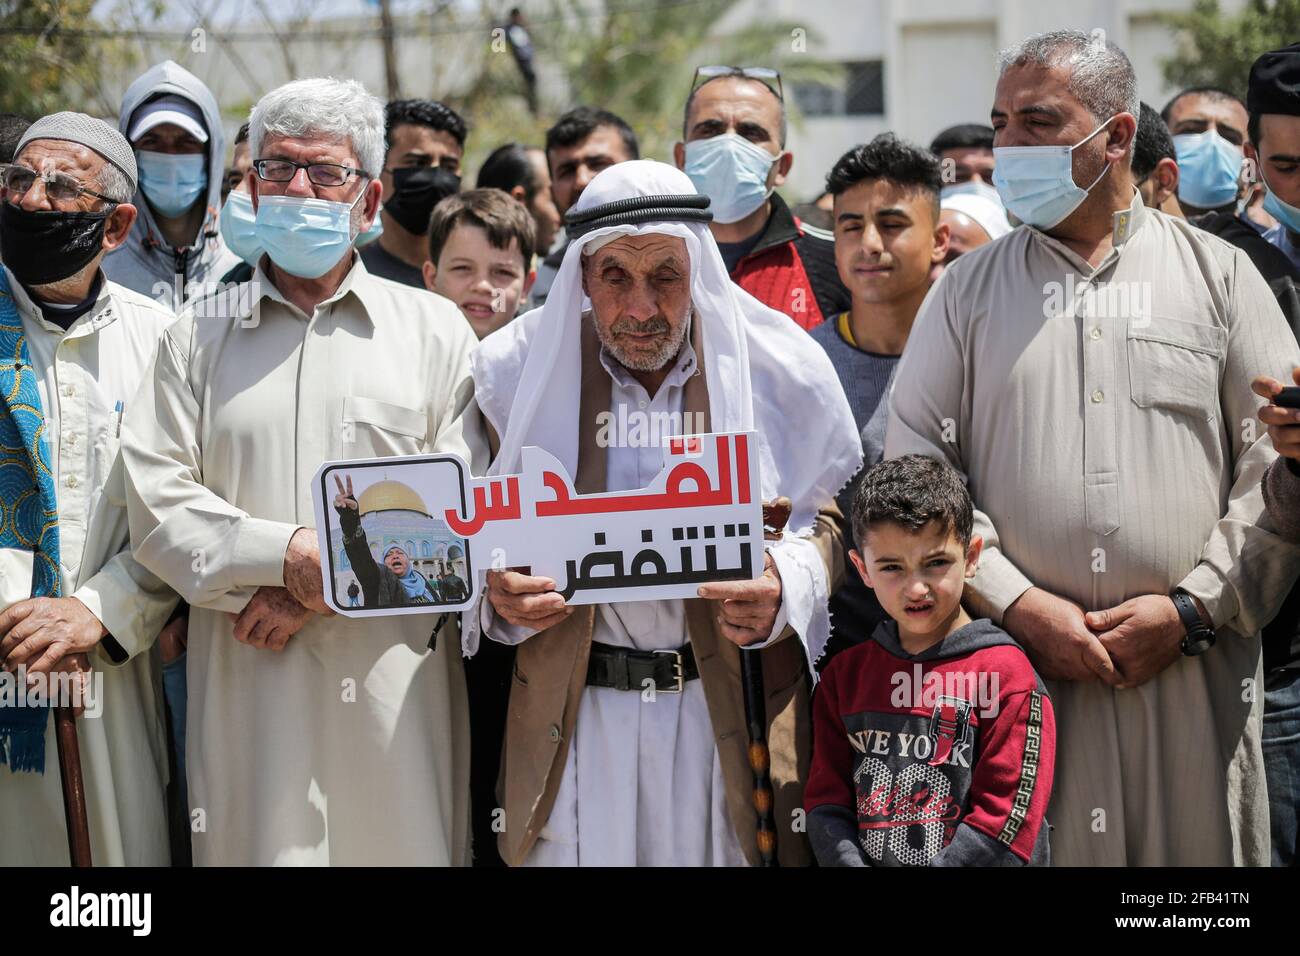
(46, 60)
(1217, 49)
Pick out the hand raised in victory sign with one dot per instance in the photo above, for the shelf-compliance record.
(345, 499)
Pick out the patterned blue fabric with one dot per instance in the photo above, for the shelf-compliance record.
(29, 511)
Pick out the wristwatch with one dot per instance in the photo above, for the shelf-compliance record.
(1200, 636)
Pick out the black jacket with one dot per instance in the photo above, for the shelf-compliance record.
(380, 586)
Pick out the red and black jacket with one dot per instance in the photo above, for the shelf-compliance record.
(943, 758)
(792, 271)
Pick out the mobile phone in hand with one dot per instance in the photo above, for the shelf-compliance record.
(1289, 397)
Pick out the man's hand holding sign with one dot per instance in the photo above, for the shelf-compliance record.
(695, 531)
(276, 614)
(748, 608)
(526, 600)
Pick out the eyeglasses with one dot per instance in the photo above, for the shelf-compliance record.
(321, 174)
(764, 74)
(59, 187)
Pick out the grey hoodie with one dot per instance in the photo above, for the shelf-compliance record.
(146, 263)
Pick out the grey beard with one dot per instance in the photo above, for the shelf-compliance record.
(652, 363)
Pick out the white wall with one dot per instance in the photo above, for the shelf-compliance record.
(940, 59)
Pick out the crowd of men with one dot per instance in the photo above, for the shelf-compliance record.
(1088, 310)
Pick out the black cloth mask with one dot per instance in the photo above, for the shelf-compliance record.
(416, 190)
(43, 247)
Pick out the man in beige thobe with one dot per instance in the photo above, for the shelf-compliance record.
(312, 739)
(1091, 377)
(90, 341)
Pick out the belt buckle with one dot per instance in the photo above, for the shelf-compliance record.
(679, 671)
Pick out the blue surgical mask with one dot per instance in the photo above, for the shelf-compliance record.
(1208, 167)
(1036, 183)
(305, 237)
(238, 227)
(732, 172)
(172, 182)
(1285, 213)
(374, 232)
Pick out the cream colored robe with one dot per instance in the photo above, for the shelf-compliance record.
(1112, 450)
(84, 372)
(351, 746)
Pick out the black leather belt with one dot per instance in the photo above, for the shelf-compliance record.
(625, 669)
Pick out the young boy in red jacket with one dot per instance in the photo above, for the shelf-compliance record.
(933, 741)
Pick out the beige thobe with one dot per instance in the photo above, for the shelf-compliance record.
(1112, 450)
(84, 372)
(351, 745)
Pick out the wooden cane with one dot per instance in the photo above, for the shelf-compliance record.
(74, 789)
(775, 515)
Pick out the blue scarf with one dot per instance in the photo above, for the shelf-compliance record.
(414, 584)
(412, 581)
(29, 512)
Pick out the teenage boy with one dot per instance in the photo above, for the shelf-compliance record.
(888, 237)
(934, 740)
(480, 256)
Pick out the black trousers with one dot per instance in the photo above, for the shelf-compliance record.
(487, 678)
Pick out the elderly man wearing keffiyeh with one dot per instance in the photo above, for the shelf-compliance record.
(642, 319)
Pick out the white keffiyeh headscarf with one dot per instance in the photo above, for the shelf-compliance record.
(763, 372)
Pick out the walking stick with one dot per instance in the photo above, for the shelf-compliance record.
(775, 515)
(74, 789)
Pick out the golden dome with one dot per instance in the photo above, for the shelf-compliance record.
(390, 496)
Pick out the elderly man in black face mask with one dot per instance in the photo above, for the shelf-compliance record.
(71, 596)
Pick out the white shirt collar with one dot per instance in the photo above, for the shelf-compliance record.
(358, 281)
(99, 315)
(684, 366)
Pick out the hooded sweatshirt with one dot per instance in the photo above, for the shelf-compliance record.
(942, 758)
(145, 263)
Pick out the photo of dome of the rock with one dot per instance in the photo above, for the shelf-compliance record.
(389, 549)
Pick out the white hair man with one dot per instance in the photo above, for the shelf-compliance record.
(77, 599)
(596, 774)
(312, 739)
(1090, 374)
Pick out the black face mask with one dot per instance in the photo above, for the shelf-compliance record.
(44, 247)
(416, 191)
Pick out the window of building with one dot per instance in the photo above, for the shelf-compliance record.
(860, 91)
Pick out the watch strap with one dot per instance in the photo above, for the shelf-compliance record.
(1199, 635)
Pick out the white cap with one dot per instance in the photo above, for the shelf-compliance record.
(989, 215)
(169, 109)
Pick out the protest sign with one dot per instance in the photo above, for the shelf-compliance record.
(416, 534)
